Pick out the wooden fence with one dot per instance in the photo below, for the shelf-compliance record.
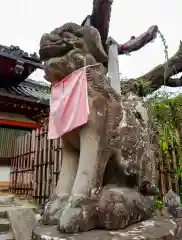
(35, 166)
(8, 138)
(169, 178)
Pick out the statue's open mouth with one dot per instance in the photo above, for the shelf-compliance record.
(54, 49)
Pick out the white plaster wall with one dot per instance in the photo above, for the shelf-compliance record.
(4, 173)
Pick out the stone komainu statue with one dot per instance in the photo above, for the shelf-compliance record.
(108, 173)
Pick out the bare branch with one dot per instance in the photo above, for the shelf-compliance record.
(135, 43)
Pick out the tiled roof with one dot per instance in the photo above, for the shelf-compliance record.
(17, 52)
(16, 65)
(29, 91)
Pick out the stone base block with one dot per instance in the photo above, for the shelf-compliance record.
(154, 229)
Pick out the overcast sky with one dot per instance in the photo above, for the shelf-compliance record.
(22, 23)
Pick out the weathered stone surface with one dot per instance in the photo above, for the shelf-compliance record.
(6, 207)
(179, 229)
(172, 199)
(7, 236)
(22, 223)
(155, 229)
(6, 199)
(4, 225)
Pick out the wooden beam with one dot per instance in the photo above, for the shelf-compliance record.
(5, 162)
(19, 124)
(4, 184)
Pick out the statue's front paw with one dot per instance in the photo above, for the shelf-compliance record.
(71, 220)
(78, 216)
(53, 209)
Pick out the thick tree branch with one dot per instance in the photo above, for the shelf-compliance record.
(135, 43)
(100, 18)
(160, 75)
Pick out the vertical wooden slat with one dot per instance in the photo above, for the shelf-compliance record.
(55, 162)
(35, 177)
(50, 167)
(44, 164)
(40, 161)
(32, 161)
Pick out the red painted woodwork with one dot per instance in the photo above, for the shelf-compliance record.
(19, 124)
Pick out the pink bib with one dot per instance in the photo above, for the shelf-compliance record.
(69, 104)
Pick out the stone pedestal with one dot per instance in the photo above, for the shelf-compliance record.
(154, 229)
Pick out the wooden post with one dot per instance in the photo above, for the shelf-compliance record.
(113, 68)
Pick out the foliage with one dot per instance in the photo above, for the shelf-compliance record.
(168, 118)
(143, 87)
(159, 205)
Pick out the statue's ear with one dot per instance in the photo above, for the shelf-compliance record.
(94, 44)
